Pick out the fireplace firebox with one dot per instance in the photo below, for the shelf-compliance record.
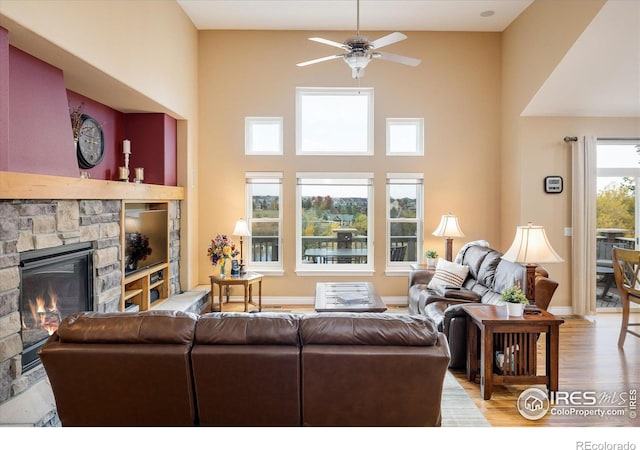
(54, 283)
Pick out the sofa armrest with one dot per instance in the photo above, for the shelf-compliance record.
(462, 294)
(420, 276)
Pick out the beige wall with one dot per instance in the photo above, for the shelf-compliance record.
(533, 147)
(132, 56)
(456, 89)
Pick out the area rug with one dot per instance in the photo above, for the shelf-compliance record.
(458, 410)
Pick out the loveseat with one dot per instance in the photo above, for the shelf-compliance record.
(167, 368)
(488, 276)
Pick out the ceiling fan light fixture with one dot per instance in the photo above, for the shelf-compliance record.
(357, 61)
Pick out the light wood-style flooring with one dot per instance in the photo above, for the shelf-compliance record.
(589, 361)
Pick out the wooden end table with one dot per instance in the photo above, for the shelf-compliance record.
(516, 338)
(247, 280)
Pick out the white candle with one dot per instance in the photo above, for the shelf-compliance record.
(126, 147)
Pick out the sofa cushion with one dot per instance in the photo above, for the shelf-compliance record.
(237, 328)
(474, 257)
(367, 329)
(487, 272)
(507, 274)
(448, 274)
(148, 327)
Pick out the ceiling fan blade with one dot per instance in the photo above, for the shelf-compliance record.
(328, 42)
(388, 40)
(397, 58)
(313, 61)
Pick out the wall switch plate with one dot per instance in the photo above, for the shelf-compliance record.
(568, 231)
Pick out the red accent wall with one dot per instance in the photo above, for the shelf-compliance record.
(153, 146)
(35, 128)
(4, 99)
(40, 137)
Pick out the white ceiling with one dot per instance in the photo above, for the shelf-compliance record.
(599, 76)
(415, 15)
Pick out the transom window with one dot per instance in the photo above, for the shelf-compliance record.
(334, 121)
(405, 137)
(263, 136)
(335, 221)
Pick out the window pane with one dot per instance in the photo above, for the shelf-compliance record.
(403, 241)
(264, 240)
(334, 121)
(334, 223)
(265, 201)
(405, 136)
(263, 135)
(402, 201)
(265, 219)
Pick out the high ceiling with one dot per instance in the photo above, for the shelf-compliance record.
(599, 76)
(416, 15)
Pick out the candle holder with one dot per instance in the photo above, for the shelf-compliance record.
(123, 174)
(139, 175)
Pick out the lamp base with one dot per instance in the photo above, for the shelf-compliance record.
(449, 249)
(531, 283)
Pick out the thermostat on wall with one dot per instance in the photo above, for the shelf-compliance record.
(553, 184)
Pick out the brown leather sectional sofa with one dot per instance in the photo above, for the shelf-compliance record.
(162, 368)
(489, 275)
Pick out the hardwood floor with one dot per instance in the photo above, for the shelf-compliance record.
(589, 361)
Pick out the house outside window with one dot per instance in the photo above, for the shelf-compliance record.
(404, 220)
(334, 226)
(334, 121)
(264, 212)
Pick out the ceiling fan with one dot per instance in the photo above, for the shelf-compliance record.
(360, 50)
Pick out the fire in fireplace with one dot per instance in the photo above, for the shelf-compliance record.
(54, 283)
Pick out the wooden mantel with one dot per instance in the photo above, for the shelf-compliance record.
(15, 185)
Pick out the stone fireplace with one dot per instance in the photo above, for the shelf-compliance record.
(54, 283)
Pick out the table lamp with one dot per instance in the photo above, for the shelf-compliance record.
(241, 229)
(449, 228)
(531, 247)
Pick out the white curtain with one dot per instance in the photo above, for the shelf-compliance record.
(583, 257)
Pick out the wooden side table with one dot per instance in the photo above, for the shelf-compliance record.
(516, 338)
(247, 280)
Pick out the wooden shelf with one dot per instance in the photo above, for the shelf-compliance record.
(16, 185)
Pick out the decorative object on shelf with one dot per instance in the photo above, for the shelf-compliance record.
(241, 229)
(448, 228)
(137, 250)
(90, 142)
(431, 256)
(76, 122)
(221, 249)
(139, 175)
(515, 300)
(530, 247)
(124, 171)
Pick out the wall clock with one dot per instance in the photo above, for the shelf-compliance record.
(90, 149)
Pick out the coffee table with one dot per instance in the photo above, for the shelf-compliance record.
(516, 338)
(348, 297)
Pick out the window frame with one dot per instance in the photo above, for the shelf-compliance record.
(419, 123)
(401, 267)
(335, 269)
(248, 135)
(252, 178)
(334, 91)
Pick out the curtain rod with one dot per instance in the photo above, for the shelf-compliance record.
(571, 139)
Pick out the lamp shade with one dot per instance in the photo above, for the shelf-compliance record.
(448, 227)
(241, 228)
(531, 246)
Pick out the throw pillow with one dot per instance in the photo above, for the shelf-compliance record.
(448, 274)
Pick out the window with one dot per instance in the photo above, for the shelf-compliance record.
(264, 210)
(405, 137)
(404, 219)
(263, 136)
(335, 223)
(334, 121)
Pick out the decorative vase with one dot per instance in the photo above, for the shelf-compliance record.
(515, 309)
(223, 267)
(431, 262)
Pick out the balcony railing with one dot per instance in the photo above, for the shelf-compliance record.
(331, 249)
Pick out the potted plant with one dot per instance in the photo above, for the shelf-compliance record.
(515, 300)
(431, 256)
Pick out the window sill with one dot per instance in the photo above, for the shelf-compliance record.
(335, 272)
